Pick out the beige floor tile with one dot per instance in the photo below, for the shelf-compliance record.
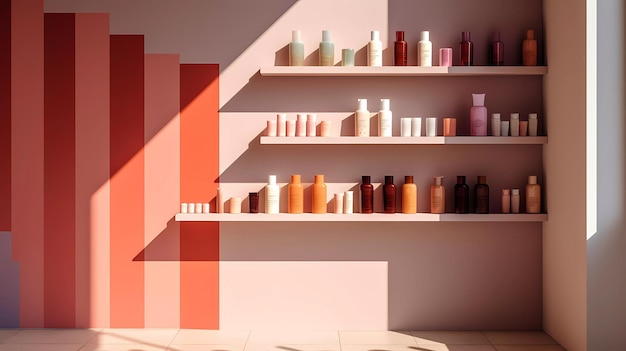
(450, 337)
(444, 347)
(53, 336)
(205, 348)
(147, 337)
(529, 348)
(379, 347)
(40, 347)
(293, 337)
(377, 338)
(519, 338)
(287, 347)
(121, 347)
(7, 333)
(210, 337)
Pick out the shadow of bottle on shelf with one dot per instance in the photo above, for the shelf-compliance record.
(281, 56)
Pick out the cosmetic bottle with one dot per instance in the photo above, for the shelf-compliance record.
(399, 49)
(478, 116)
(504, 128)
(347, 57)
(529, 49)
(389, 195)
(270, 130)
(405, 126)
(481, 195)
(461, 195)
(272, 196)
(514, 200)
(375, 50)
(301, 125)
(514, 124)
(311, 125)
(191, 207)
(437, 196)
(199, 207)
(425, 50)
(295, 195)
(235, 205)
(506, 201)
(523, 128)
(219, 199)
(362, 120)
(327, 50)
(281, 124)
(532, 124)
(296, 49)
(467, 50)
(206, 207)
(495, 124)
(367, 195)
(253, 202)
(409, 195)
(384, 119)
(319, 195)
(496, 51)
(348, 202)
(339, 203)
(533, 195)
(184, 207)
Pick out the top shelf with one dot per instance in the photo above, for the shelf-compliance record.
(401, 71)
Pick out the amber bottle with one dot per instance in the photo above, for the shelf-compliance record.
(481, 195)
(409, 195)
(295, 195)
(389, 195)
(399, 49)
(461, 195)
(367, 195)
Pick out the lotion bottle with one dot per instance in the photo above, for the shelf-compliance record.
(399, 49)
(327, 50)
(506, 201)
(295, 195)
(367, 195)
(272, 196)
(461, 196)
(389, 195)
(409, 195)
(529, 49)
(319, 195)
(425, 50)
(375, 50)
(514, 120)
(478, 116)
(467, 50)
(362, 120)
(514, 200)
(481, 195)
(437, 196)
(296, 49)
(532, 124)
(533, 195)
(384, 119)
(496, 51)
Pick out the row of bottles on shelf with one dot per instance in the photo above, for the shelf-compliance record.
(306, 124)
(424, 50)
(344, 201)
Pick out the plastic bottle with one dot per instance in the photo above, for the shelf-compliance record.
(272, 196)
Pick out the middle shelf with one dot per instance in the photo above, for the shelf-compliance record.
(396, 140)
(360, 217)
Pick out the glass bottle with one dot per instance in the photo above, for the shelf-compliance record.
(409, 195)
(481, 195)
(399, 49)
(389, 195)
(437, 196)
(367, 195)
(467, 50)
(461, 195)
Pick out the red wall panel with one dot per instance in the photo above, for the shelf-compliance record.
(5, 115)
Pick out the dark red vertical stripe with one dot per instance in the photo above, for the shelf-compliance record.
(199, 171)
(127, 176)
(5, 115)
(59, 175)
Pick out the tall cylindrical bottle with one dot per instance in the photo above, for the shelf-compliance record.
(362, 120)
(409, 195)
(461, 195)
(367, 195)
(514, 200)
(296, 49)
(272, 196)
(375, 50)
(478, 116)
(295, 195)
(399, 50)
(532, 124)
(384, 119)
(533, 195)
(437, 196)
(389, 195)
(425, 50)
(319, 195)
(467, 50)
(496, 51)
(529, 49)
(506, 201)
(327, 50)
(481, 195)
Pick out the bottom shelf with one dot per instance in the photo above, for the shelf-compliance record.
(359, 217)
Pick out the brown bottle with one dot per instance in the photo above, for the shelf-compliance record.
(437, 196)
(295, 195)
(481, 195)
(367, 195)
(389, 195)
(319, 195)
(529, 49)
(400, 49)
(533, 195)
(409, 195)
(461, 196)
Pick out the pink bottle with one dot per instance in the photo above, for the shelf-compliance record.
(478, 116)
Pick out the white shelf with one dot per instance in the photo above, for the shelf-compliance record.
(401, 71)
(358, 217)
(439, 140)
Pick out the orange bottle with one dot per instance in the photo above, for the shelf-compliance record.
(438, 196)
(319, 195)
(409, 195)
(295, 197)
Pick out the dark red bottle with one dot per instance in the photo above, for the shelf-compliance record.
(481, 195)
(367, 195)
(461, 195)
(467, 50)
(400, 49)
(389, 195)
(496, 51)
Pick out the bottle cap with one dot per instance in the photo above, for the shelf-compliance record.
(362, 104)
(384, 104)
(514, 115)
(479, 99)
(253, 194)
(319, 178)
(496, 116)
(506, 192)
(400, 35)
(366, 179)
(460, 179)
(375, 35)
(482, 179)
(296, 178)
(408, 179)
(530, 34)
(425, 35)
(272, 180)
(438, 180)
(532, 116)
(325, 35)
(514, 191)
(465, 36)
(496, 36)
(296, 35)
(532, 179)
(388, 180)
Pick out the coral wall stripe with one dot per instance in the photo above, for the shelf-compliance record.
(127, 177)
(92, 170)
(199, 242)
(59, 174)
(5, 115)
(27, 156)
(162, 191)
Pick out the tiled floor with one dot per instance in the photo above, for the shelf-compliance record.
(257, 340)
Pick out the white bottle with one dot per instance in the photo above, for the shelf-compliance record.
(296, 49)
(272, 196)
(495, 124)
(362, 120)
(384, 119)
(425, 50)
(514, 124)
(532, 124)
(348, 202)
(327, 50)
(375, 50)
